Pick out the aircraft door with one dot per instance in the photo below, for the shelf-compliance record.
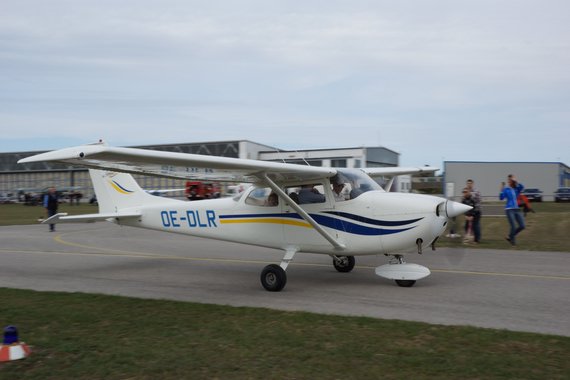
(263, 210)
(313, 199)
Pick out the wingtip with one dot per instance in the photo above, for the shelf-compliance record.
(77, 152)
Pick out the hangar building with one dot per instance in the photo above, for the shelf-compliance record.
(546, 176)
(30, 177)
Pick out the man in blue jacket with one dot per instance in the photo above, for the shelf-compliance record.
(514, 216)
(51, 201)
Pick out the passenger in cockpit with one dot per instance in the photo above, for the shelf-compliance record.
(272, 200)
(308, 194)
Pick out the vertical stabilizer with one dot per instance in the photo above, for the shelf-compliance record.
(118, 191)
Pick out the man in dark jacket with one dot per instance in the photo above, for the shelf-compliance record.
(476, 197)
(471, 216)
(50, 203)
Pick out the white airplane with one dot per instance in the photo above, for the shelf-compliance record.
(289, 207)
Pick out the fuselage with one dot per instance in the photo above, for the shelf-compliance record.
(375, 222)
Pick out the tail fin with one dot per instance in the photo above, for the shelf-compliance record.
(118, 191)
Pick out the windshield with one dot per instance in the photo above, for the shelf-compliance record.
(238, 196)
(355, 182)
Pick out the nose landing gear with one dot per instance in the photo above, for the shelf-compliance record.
(404, 274)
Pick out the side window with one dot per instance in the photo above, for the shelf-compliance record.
(264, 197)
(307, 193)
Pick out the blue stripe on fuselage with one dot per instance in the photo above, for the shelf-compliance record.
(386, 223)
(338, 224)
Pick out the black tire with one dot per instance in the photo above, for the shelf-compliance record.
(344, 264)
(273, 278)
(405, 283)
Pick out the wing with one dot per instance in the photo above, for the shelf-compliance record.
(179, 165)
(394, 171)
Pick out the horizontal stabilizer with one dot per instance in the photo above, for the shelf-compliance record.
(89, 218)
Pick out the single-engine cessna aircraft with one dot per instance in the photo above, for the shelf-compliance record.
(338, 212)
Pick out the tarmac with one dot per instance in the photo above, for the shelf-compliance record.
(502, 289)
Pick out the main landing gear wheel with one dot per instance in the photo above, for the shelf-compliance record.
(344, 264)
(405, 283)
(273, 278)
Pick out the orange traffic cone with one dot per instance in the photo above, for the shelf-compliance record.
(11, 348)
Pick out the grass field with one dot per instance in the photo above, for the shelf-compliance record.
(81, 336)
(18, 214)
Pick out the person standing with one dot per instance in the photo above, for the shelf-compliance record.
(51, 201)
(514, 216)
(476, 200)
(469, 217)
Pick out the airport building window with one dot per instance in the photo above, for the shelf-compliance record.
(338, 163)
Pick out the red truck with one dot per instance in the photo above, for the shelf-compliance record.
(195, 190)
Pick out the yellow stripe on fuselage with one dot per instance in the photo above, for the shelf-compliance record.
(118, 188)
(267, 220)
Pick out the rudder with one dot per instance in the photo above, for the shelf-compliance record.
(117, 191)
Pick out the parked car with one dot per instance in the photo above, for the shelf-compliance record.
(562, 194)
(6, 199)
(533, 194)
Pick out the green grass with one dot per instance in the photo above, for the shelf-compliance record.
(18, 214)
(79, 336)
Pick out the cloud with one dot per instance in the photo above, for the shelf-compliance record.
(314, 73)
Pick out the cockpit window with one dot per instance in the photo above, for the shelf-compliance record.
(262, 196)
(354, 181)
(238, 196)
(307, 193)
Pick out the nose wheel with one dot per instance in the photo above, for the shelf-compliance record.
(404, 274)
(405, 283)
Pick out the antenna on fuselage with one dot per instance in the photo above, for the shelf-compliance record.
(280, 156)
(279, 152)
(305, 161)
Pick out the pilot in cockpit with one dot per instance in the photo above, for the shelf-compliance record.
(337, 188)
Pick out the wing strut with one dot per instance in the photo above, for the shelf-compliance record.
(303, 213)
(388, 186)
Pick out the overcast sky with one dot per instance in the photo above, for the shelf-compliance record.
(434, 80)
